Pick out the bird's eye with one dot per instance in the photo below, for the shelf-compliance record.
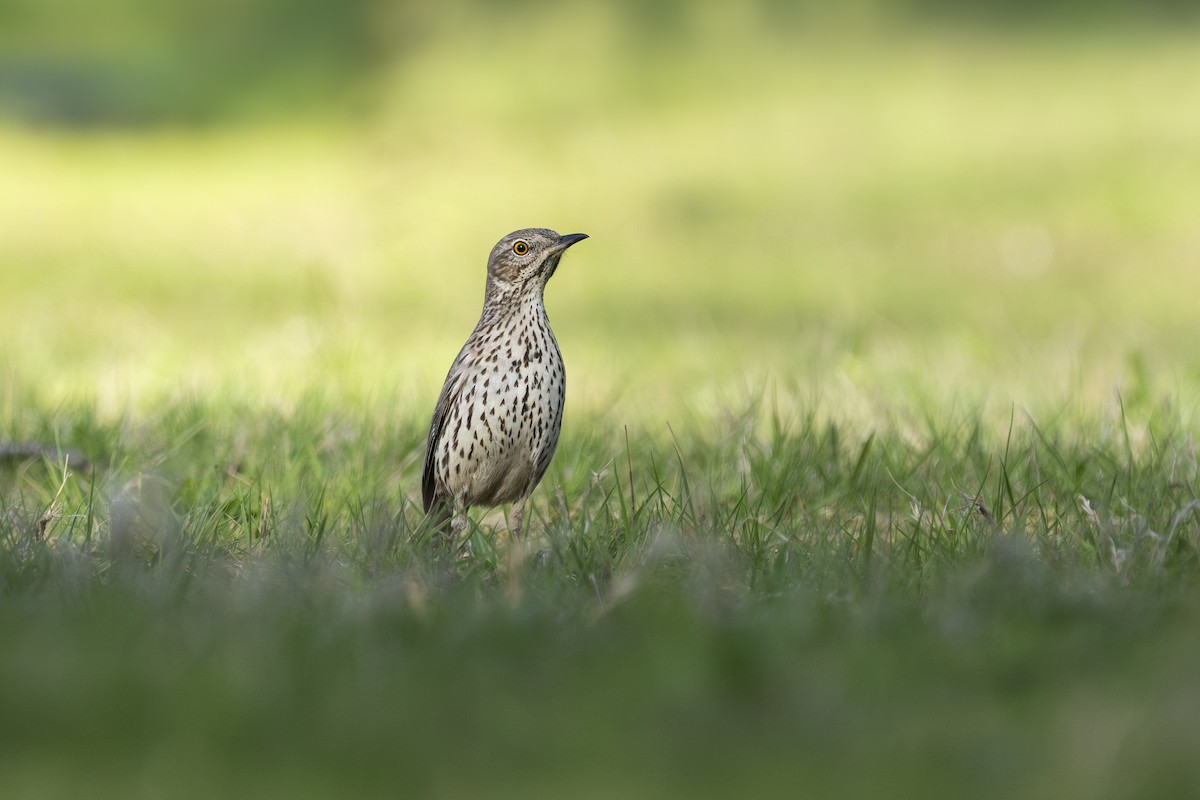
(520, 248)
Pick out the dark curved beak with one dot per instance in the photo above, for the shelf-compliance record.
(569, 239)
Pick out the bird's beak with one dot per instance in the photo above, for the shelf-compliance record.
(566, 241)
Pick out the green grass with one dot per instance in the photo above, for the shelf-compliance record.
(879, 471)
(248, 603)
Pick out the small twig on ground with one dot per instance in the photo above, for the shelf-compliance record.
(16, 452)
(974, 503)
(53, 511)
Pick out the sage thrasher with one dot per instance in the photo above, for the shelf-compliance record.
(497, 420)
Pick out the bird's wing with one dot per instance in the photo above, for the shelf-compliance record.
(451, 390)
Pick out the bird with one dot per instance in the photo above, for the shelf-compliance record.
(497, 420)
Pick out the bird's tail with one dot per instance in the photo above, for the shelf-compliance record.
(437, 515)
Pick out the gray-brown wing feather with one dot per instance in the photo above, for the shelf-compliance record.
(449, 395)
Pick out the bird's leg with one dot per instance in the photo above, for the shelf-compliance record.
(516, 516)
(516, 519)
(458, 523)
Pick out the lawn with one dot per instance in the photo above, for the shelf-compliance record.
(878, 473)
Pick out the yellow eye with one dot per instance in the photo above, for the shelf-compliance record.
(520, 248)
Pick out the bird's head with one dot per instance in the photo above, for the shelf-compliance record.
(526, 259)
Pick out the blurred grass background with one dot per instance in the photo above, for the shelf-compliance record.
(260, 194)
(848, 262)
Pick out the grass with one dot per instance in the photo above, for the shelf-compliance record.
(763, 609)
(878, 476)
